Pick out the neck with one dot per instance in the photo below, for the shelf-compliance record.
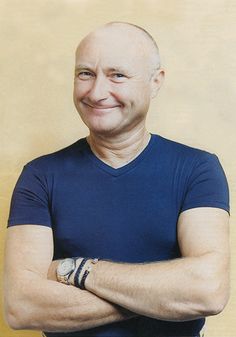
(120, 150)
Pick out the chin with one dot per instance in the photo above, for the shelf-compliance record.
(103, 126)
(106, 131)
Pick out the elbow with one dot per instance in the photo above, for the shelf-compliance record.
(216, 300)
(16, 316)
(12, 319)
(16, 321)
(217, 305)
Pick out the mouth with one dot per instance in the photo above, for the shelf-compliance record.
(101, 108)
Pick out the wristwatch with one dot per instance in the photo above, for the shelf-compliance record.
(65, 269)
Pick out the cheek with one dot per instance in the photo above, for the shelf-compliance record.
(80, 90)
(122, 94)
(76, 93)
(136, 92)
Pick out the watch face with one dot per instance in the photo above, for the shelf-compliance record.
(66, 266)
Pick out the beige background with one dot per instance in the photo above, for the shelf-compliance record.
(196, 106)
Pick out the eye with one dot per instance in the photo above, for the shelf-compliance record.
(118, 77)
(85, 75)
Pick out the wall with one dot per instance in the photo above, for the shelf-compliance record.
(196, 105)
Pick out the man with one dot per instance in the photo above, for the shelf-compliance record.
(137, 225)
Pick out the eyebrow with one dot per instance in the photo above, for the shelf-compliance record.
(81, 66)
(116, 69)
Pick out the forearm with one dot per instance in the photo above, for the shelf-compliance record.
(47, 305)
(181, 289)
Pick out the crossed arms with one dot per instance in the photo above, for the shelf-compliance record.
(194, 286)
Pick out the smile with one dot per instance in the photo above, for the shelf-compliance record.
(100, 110)
(105, 107)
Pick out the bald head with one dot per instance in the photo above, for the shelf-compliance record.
(117, 73)
(135, 36)
(149, 40)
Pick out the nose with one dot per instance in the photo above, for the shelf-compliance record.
(99, 90)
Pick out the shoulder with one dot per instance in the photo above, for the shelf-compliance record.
(182, 152)
(59, 159)
(187, 161)
(198, 173)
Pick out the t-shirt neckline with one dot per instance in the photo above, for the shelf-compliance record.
(120, 170)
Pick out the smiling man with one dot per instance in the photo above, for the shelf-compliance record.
(123, 233)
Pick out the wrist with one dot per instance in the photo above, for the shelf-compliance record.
(83, 269)
(72, 276)
(91, 267)
(52, 271)
(88, 269)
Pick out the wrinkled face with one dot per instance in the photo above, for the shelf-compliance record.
(112, 86)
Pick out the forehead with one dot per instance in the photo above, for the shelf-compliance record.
(114, 48)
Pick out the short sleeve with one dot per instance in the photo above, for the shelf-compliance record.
(207, 185)
(30, 199)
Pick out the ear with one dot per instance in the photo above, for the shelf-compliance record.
(156, 81)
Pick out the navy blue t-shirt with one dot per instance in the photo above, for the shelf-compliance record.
(128, 214)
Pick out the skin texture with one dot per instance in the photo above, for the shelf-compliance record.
(113, 89)
(48, 305)
(152, 290)
(115, 79)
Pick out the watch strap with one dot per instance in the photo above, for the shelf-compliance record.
(78, 271)
(87, 271)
